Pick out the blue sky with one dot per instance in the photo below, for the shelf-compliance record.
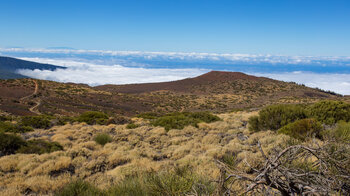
(129, 41)
(279, 27)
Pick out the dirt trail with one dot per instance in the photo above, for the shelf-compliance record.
(34, 93)
(36, 100)
(33, 108)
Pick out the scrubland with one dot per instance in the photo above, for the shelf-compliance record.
(133, 151)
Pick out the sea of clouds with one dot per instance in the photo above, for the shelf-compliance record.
(94, 74)
(96, 67)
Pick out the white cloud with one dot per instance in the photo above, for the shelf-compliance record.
(193, 56)
(93, 75)
(339, 83)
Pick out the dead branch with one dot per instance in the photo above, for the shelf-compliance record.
(296, 170)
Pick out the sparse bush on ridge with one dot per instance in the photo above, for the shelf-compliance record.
(302, 129)
(93, 117)
(103, 139)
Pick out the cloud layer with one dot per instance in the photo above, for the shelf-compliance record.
(339, 83)
(139, 56)
(93, 75)
(97, 67)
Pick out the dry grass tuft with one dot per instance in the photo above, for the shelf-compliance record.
(132, 151)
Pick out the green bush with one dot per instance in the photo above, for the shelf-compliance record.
(180, 120)
(131, 185)
(203, 116)
(254, 124)
(229, 158)
(79, 188)
(38, 122)
(132, 126)
(5, 118)
(14, 128)
(180, 181)
(276, 116)
(330, 112)
(64, 120)
(10, 143)
(103, 139)
(302, 129)
(118, 120)
(38, 146)
(149, 115)
(175, 122)
(341, 133)
(93, 117)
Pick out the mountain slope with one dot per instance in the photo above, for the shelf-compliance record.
(5, 74)
(8, 67)
(186, 85)
(214, 91)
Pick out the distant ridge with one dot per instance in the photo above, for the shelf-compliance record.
(215, 91)
(184, 85)
(9, 66)
(225, 76)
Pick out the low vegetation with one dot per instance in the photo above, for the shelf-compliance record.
(340, 133)
(103, 139)
(37, 122)
(178, 181)
(330, 112)
(39, 146)
(301, 121)
(93, 117)
(276, 116)
(14, 128)
(11, 144)
(78, 188)
(132, 126)
(185, 153)
(180, 120)
(303, 129)
(142, 159)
